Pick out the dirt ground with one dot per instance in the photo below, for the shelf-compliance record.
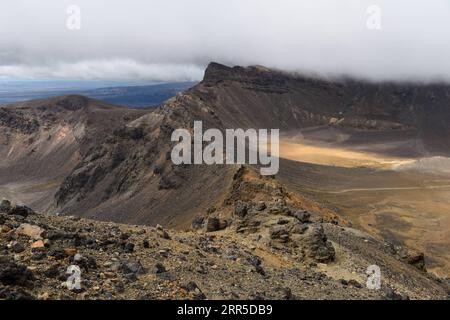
(385, 195)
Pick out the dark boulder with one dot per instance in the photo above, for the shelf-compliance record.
(162, 233)
(17, 248)
(14, 274)
(301, 215)
(260, 206)
(159, 268)
(280, 232)
(15, 294)
(315, 245)
(54, 272)
(215, 224)
(391, 294)
(417, 260)
(5, 206)
(132, 267)
(129, 247)
(198, 222)
(189, 286)
(23, 211)
(240, 210)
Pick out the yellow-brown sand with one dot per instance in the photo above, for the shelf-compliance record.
(335, 156)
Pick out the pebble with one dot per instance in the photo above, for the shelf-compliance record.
(201, 269)
(70, 252)
(129, 247)
(162, 233)
(17, 248)
(29, 230)
(38, 244)
(159, 268)
(164, 253)
(78, 257)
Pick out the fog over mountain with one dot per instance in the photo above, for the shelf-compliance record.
(174, 40)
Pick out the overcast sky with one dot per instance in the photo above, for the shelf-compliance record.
(175, 39)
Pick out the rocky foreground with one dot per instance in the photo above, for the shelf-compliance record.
(269, 249)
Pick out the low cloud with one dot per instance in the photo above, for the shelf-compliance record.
(174, 40)
(105, 70)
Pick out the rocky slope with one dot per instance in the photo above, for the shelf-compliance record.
(79, 156)
(42, 141)
(74, 156)
(268, 247)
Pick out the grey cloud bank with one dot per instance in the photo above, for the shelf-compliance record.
(174, 39)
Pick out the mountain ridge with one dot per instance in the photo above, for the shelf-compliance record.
(75, 156)
(136, 149)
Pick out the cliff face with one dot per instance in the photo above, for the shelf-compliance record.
(259, 96)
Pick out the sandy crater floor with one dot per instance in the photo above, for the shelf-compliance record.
(403, 199)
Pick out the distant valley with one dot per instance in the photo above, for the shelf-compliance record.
(127, 94)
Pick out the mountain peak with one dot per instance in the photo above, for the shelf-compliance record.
(216, 72)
